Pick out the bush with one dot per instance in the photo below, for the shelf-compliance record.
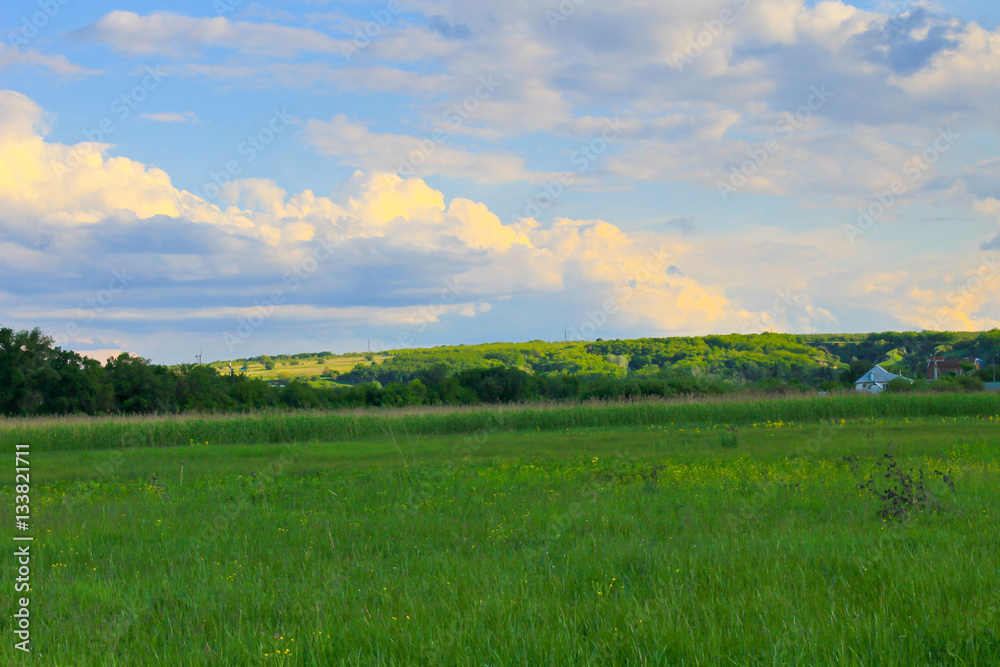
(729, 439)
(781, 387)
(902, 491)
(900, 386)
(958, 383)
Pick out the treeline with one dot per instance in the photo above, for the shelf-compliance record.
(39, 378)
(907, 352)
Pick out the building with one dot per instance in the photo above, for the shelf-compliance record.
(939, 366)
(876, 380)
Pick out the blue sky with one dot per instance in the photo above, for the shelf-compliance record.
(250, 178)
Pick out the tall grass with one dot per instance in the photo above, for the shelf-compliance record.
(280, 427)
(570, 555)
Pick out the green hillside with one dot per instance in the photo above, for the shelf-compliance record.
(810, 359)
(39, 378)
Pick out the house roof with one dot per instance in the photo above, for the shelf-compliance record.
(951, 363)
(876, 374)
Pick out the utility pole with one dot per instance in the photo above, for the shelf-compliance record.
(199, 355)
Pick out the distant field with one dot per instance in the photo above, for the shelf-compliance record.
(302, 369)
(743, 540)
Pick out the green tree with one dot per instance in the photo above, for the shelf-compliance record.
(140, 387)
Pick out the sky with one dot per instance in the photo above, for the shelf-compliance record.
(233, 178)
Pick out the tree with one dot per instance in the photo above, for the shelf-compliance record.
(200, 387)
(37, 377)
(252, 393)
(858, 368)
(298, 394)
(24, 368)
(139, 387)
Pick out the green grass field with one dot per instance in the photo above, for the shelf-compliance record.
(622, 534)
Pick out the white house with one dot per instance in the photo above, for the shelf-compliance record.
(876, 380)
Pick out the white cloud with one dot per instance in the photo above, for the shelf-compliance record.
(172, 117)
(57, 64)
(969, 72)
(894, 84)
(355, 145)
(174, 34)
(397, 236)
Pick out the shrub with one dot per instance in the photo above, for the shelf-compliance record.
(958, 383)
(900, 386)
(729, 439)
(903, 491)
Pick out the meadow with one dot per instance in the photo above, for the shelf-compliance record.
(748, 532)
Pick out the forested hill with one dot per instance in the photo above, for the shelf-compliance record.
(737, 358)
(37, 377)
(808, 358)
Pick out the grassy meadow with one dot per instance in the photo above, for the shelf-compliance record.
(685, 533)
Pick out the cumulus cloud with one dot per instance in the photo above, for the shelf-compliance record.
(369, 255)
(964, 67)
(959, 297)
(699, 99)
